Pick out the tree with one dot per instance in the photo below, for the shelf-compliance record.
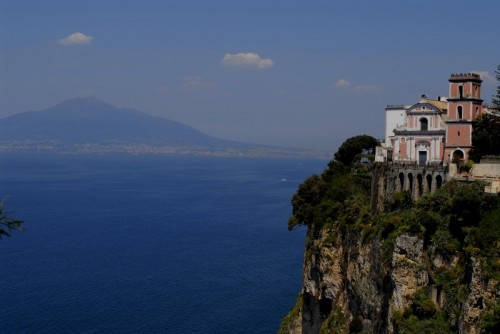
(495, 101)
(350, 151)
(307, 197)
(8, 224)
(485, 136)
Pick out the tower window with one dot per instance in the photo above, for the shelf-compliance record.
(460, 112)
(460, 91)
(459, 133)
(424, 124)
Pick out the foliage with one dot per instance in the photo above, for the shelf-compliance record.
(336, 323)
(423, 307)
(411, 324)
(490, 324)
(8, 224)
(421, 317)
(465, 167)
(401, 201)
(485, 136)
(352, 149)
(321, 200)
(287, 322)
(457, 221)
(495, 101)
(486, 240)
(307, 197)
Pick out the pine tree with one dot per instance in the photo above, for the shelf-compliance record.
(495, 101)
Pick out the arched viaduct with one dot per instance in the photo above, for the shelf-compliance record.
(389, 178)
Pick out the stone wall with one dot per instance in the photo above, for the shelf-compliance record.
(389, 178)
(485, 170)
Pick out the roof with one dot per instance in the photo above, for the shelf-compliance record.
(441, 105)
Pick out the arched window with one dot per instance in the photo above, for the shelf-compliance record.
(460, 92)
(424, 124)
(460, 113)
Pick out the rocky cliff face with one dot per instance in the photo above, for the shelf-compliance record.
(351, 286)
(395, 264)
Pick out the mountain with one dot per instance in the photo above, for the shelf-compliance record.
(90, 120)
(91, 125)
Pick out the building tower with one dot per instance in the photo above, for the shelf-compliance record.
(464, 106)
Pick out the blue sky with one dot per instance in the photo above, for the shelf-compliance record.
(291, 73)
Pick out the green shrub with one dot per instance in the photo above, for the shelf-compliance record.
(336, 323)
(288, 320)
(490, 323)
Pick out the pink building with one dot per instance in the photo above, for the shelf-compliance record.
(438, 131)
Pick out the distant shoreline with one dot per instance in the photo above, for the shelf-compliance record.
(90, 148)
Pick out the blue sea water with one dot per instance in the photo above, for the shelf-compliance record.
(149, 244)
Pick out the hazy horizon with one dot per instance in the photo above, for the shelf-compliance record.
(285, 73)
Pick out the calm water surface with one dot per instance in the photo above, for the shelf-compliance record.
(149, 244)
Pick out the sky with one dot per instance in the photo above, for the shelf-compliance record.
(305, 74)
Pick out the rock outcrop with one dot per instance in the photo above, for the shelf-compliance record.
(356, 286)
(388, 253)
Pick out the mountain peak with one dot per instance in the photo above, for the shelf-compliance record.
(90, 102)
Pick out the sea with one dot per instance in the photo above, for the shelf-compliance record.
(149, 243)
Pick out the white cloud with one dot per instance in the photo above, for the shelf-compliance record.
(75, 38)
(248, 59)
(347, 85)
(342, 83)
(190, 82)
(485, 75)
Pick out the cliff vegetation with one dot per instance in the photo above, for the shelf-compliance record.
(423, 266)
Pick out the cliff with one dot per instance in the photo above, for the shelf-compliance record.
(425, 266)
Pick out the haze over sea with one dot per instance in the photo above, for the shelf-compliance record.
(149, 244)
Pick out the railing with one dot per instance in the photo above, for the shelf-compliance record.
(437, 166)
(396, 106)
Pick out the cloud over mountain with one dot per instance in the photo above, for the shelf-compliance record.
(75, 39)
(248, 59)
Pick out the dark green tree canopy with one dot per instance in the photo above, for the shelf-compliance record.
(495, 101)
(350, 151)
(485, 136)
(8, 224)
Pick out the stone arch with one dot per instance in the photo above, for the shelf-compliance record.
(457, 156)
(439, 181)
(428, 187)
(420, 185)
(401, 183)
(409, 187)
